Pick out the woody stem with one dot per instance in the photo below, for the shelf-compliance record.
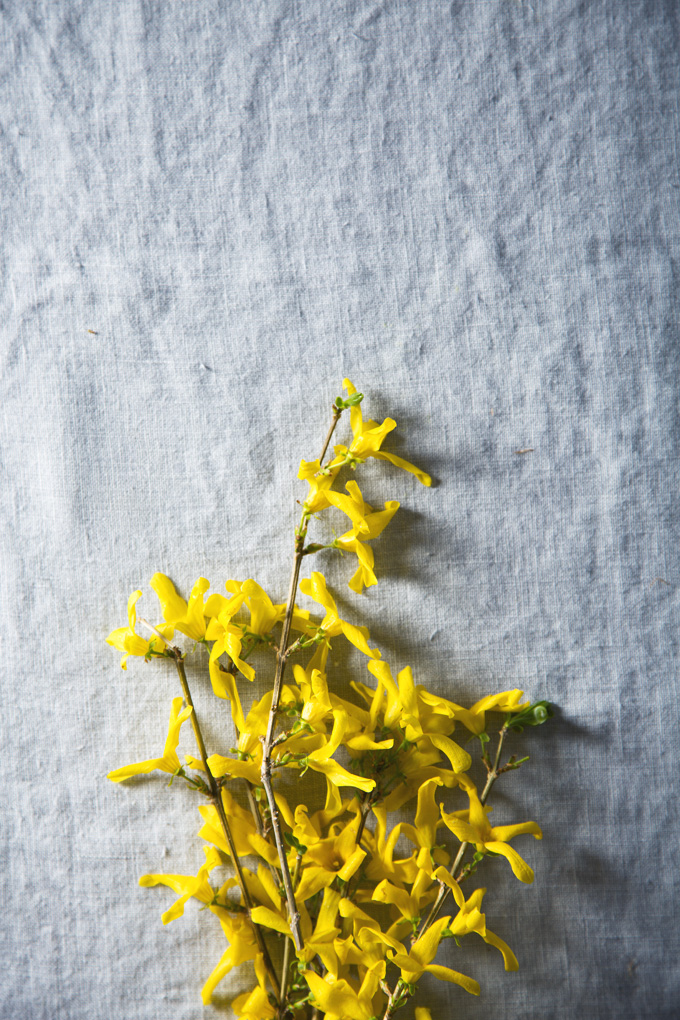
(285, 967)
(396, 999)
(281, 659)
(216, 798)
(337, 411)
(365, 812)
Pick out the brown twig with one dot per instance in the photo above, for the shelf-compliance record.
(216, 798)
(281, 659)
(285, 966)
(337, 411)
(397, 998)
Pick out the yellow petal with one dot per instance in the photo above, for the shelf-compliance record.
(520, 868)
(446, 974)
(268, 919)
(509, 957)
(506, 832)
(425, 948)
(173, 606)
(137, 769)
(405, 465)
(460, 759)
(339, 776)
(463, 830)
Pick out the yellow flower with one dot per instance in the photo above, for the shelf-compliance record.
(402, 709)
(409, 905)
(321, 759)
(424, 833)
(381, 849)
(126, 640)
(360, 919)
(169, 762)
(319, 484)
(367, 525)
(308, 829)
(337, 856)
(475, 718)
(264, 615)
(314, 690)
(187, 886)
(186, 617)
(418, 961)
(469, 918)
(368, 438)
(316, 942)
(243, 947)
(418, 766)
(332, 625)
(251, 729)
(353, 506)
(247, 839)
(227, 636)
(487, 838)
(254, 1005)
(339, 1000)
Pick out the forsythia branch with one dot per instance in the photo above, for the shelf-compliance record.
(390, 747)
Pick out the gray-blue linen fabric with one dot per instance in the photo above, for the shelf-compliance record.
(211, 212)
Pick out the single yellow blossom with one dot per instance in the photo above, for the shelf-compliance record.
(352, 505)
(254, 1005)
(368, 438)
(339, 1000)
(402, 709)
(317, 941)
(470, 918)
(314, 689)
(320, 483)
(417, 766)
(359, 918)
(264, 615)
(381, 852)
(247, 839)
(321, 759)
(251, 729)
(332, 625)
(418, 961)
(262, 887)
(477, 830)
(364, 953)
(239, 933)
(187, 617)
(424, 833)
(187, 886)
(367, 525)
(409, 904)
(169, 762)
(336, 856)
(227, 636)
(474, 719)
(125, 639)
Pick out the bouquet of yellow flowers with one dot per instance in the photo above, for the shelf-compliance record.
(336, 923)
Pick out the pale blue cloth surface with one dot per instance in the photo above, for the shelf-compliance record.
(212, 212)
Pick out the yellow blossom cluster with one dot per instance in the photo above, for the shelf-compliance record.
(345, 898)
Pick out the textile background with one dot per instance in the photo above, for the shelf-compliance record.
(213, 211)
